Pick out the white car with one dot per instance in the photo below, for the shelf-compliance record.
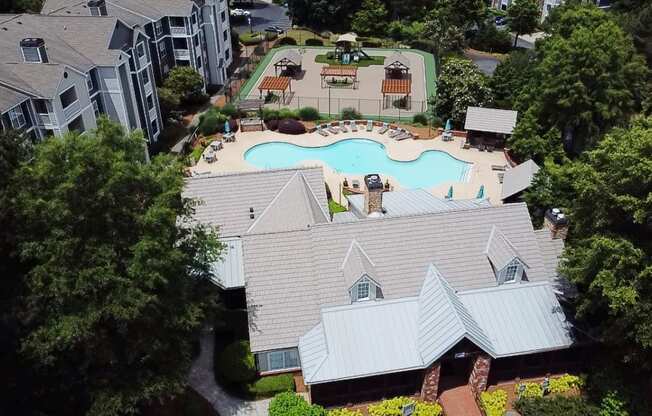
(240, 13)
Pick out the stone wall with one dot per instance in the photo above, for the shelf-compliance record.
(480, 373)
(373, 201)
(430, 385)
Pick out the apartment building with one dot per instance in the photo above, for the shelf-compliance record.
(59, 73)
(180, 32)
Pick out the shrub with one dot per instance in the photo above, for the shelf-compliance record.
(530, 390)
(211, 122)
(494, 403)
(314, 42)
(290, 404)
(269, 114)
(287, 41)
(420, 118)
(236, 362)
(424, 45)
(284, 113)
(344, 412)
(491, 39)
(393, 407)
(564, 383)
(271, 385)
(350, 113)
(613, 405)
(555, 406)
(372, 43)
(309, 114)
(272, 124)
(437, 122)
(229, 110)
(291, 126)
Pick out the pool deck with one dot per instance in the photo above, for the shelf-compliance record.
(231, 159)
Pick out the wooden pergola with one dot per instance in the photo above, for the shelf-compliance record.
(396, 87)
(270, 83)
(397, 66)
(288, 60)
(339, 71)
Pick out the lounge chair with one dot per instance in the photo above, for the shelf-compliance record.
(404, 135)
(216, 145)
(370, 125)
(332, 129)
(395, 132)
(354, 126)
(209, 155)
(343, 128)
(321, 131)
(384, 129)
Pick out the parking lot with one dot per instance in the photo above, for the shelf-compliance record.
(262, 15)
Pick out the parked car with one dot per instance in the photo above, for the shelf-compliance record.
(240, 13)
(275, 29)
(501, 20)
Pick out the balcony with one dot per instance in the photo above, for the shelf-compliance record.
(182, 54)
(71, 110)
(46, 119)
(178, 30)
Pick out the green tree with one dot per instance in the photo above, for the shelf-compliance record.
(607, 196)
(371, 19)
(442, 36)
(460, 84)
(169, 100)
(117, 287)
(523, 17)
(186, 83)
(512, 77)
(320, 14)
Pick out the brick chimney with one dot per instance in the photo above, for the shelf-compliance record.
(556, 221)
(373, 196)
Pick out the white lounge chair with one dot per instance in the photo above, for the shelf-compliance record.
(394, 132)
(404, 135)
(353, 125)
(332, 129)
(370, 125)
(321, 131)
(384, 128)
(343, 127)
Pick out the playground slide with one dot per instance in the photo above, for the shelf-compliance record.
(346, 59)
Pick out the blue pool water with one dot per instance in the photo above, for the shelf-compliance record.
(362, 156)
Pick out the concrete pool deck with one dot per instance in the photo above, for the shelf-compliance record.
(231, 159)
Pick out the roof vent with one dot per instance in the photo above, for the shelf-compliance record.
(97, 7)
(34, 50)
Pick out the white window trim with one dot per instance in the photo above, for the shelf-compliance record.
(158, 28)
(72, 102)
(16, 114)
(363, 284)
(38, 52)
(89, 82)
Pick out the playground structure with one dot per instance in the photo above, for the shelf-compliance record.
(348, 50)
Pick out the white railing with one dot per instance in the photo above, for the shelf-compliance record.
(46, 119)
(182, 54)
(148, 88)
(178, 30)
(69, 111)
(152, 114)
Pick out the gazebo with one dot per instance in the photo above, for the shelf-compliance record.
(396, 90)
(397, 66)
(270, 83)
(288, 61)
(345, 72)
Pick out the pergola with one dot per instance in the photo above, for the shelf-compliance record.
(396, 87)
(397, 66)
(270, 83)
(339, 71)
(288, 60)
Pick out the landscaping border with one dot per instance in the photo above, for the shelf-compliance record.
(428, 61)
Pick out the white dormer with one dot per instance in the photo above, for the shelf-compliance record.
(365, 289)
(360, 275)
(507, 263)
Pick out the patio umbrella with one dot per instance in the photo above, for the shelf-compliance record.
(227, 127)
(449, 125)
(480, 192)
(450, 192)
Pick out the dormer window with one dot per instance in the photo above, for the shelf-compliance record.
(363, 289)
(510, 272)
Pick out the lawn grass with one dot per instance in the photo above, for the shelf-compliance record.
(301, 35)
(249, 38)
(334, 207)
(373, 60)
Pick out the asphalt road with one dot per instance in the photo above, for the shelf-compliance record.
(262, 15)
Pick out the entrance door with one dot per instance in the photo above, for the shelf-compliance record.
(455, 372)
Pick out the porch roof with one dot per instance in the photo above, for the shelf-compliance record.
(396, 86)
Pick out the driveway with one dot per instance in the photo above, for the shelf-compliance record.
(263, 14)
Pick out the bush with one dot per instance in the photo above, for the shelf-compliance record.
(290, 404)
(350, 113)
(229, 110)
(344, 412)
(531, 390)
(309, 114)
(284, 113)
(555, 406)
(236, 363)
(564, 383)
(420, 118)
(491, 39)
(424, 45)
(494, 403)
(393, 407)
(269, 114)
(291, 126)
(613, 405)
(271, 35)
(314, 42)
(272, 124)
(211, 122)
(287, 41)
(437, 122)
(271, 385)
(372, 43)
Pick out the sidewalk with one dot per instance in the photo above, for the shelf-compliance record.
(202, 379)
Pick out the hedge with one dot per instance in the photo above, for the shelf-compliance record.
(291, 404)
(309, 114)
(531, 390)
(314, 42)
(291, 126)
(565, 383)
(420, 118)
(555, 406)
(284, 113)
(287, 41)
(271, 385)
(393, 407)
(229, 110)
(494, 403)
(350, 113)
(236, 363)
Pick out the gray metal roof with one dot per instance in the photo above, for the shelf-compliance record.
(500, 251)
(228, 272)
(520, 318)
(518, 178)
(292, 275)
(224, 199)
(414, 202)
(290, 54)
(491, 120)
(397, 57)
(132, 12)
(345, 216)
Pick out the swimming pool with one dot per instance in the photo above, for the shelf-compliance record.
(363, 156)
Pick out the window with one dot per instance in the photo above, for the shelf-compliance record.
(68, 97)
(145, 77)
(195, 40)
(77, 125)
(223, 15)
(89, 82)
(154, 127)
(140, 49)
(226, 54)
(278, 360)
(150, 102)
(31, 54)
(198, 63)
(363, 290)
(225, 35)
(41, 106)
(193, 19)
(510, 272)
(180, 43)
(162, 50)
(158, 28)
(17, 117)
(96, 108)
